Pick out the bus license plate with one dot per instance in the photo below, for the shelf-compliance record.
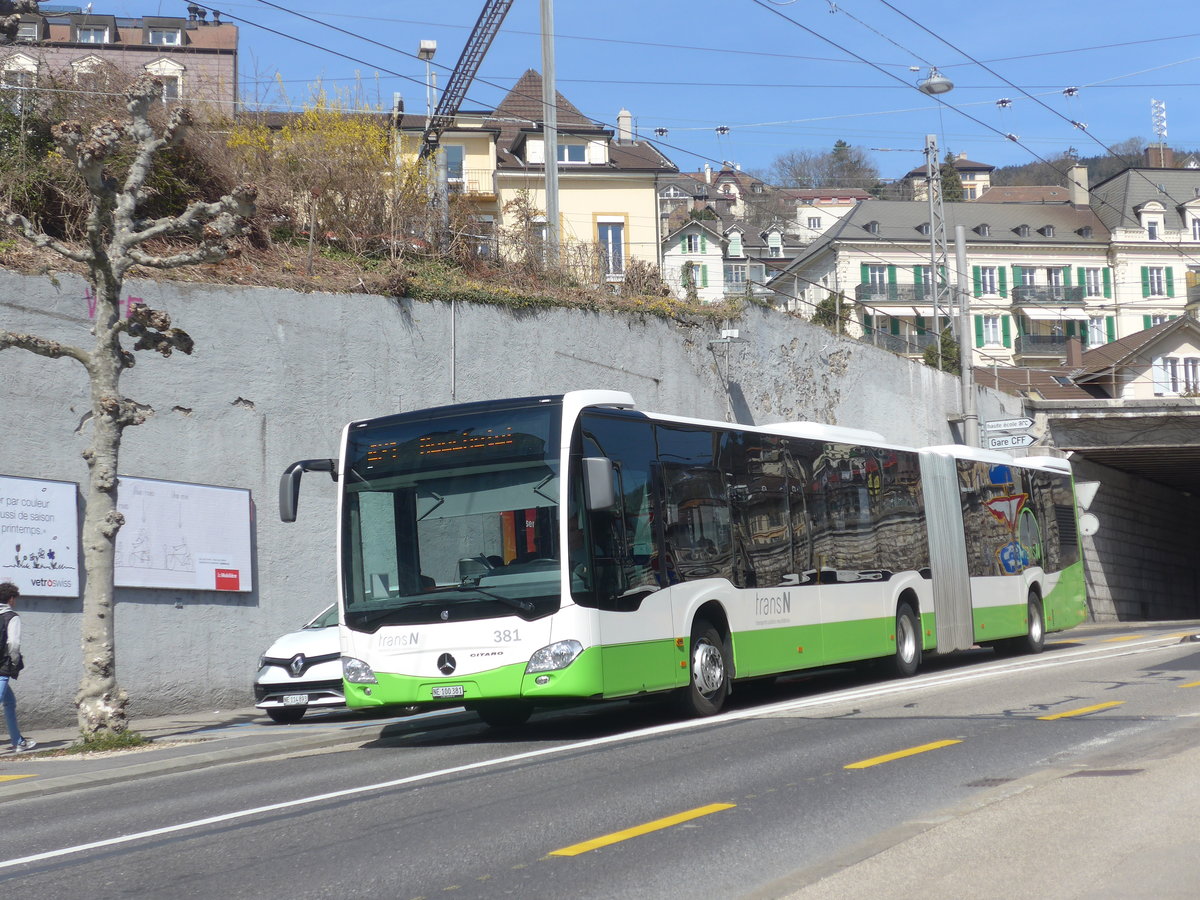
(449, 690)
(295, 699)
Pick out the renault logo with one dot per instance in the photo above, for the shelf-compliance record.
(446, 664)
(297, 664)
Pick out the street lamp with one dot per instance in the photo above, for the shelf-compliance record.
(426, 52)
(936, 83)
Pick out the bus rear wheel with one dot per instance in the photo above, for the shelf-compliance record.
(907, 658)
(709, 668)
(505, 713)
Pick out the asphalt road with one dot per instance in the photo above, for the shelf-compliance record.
(797, 780)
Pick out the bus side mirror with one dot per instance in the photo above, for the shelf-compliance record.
(289, 484)
(598, 483)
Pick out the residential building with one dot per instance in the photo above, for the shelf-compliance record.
(196, 59)
(718, 259)
(1161, 361)
(976, 178)
(607, 177)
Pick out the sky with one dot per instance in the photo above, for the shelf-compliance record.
(744, 81)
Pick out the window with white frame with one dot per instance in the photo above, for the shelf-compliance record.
(1156, 280)
(455, 155)
(1028, 276)
(991, 330)
(164, 37)
(1158, 319)
(758, 273)
(1093, 282)
(1196, 229)
(1097, 333)
(170, 73)
(735, 276)
(877, 278)
(28, 31)
(775, 244)
(572, 153)
(969, 192)
(988, 282)
(691, 243)
(91, 34)
(611, 237)
(735, 244)
(814, 222)
(1191, 375)
(1152, 230)
(1054, 278)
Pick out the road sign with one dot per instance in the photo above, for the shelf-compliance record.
(1008, 441)
(1007, 425)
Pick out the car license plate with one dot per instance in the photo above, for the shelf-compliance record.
(295, 699)
(449, 690)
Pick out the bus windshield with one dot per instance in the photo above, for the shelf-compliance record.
(452, 518)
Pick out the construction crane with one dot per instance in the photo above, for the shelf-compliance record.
(464, 73)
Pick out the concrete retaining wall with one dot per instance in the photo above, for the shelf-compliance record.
(276, 375)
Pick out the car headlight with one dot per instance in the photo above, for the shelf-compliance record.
(558, 655)
(356, 671)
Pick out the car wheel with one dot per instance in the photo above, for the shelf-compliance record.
(286, 715)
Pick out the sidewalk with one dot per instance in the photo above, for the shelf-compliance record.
(182, 742)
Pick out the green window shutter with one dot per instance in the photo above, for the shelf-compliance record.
(1172, 318)
(703, 273)
(683, 244)
(1146, 322)
(1110, 325)
(1107, 282)
(1067, 276)
(895, 326)
(1070, 328)
(979, 331)
(1003, 281)
(918, 282)
(1020, 320)
(978, 281)
(1145, 281)
(867, 323)
(1006, 331)
(1170, 282)
(703, 243)
(891, 270)
(1016, 275)
(1080, 276)
(920, 324)
(864, 274)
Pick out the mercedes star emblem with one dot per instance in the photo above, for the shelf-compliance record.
(446, 664)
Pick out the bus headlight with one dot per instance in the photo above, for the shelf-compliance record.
(558, 655)
(356, 671)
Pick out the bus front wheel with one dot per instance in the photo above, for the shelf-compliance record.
(907, 658)
(708, 683)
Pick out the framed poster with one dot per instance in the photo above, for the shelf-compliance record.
(183, 536)
(39, 536)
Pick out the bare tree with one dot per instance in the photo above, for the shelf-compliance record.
(115, 241)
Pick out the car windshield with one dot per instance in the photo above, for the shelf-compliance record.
(452, 518)
(325, 619)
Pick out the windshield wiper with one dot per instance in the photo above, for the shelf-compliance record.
(522, 605)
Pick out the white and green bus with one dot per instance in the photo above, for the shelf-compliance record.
(519, 553)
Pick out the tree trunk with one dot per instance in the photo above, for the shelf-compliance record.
(100, 701)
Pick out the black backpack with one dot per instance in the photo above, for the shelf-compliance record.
(8, 666)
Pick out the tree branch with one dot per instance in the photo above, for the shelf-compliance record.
(43, 347)
(227, 215)
(152, 328)
(41, 239)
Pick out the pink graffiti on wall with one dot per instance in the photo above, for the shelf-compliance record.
(90, 296)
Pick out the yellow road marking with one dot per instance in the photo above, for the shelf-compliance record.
(657, 825)
(900, 754)
(1191, 684)
(15, 777)
(1082, 712)
(1127, 637)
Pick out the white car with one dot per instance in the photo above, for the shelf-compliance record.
(302, 671)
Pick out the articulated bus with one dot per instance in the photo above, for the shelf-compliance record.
(521, 553)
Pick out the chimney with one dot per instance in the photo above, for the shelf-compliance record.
(707, 173)
(1074, 353)
(1077, 185)
(624, 126)
(961, 156)
(1160, 156)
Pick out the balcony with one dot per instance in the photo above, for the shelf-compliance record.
(1044, 345)
(478, 183)
(1047, 295)
(874, 294)
(904, 344)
